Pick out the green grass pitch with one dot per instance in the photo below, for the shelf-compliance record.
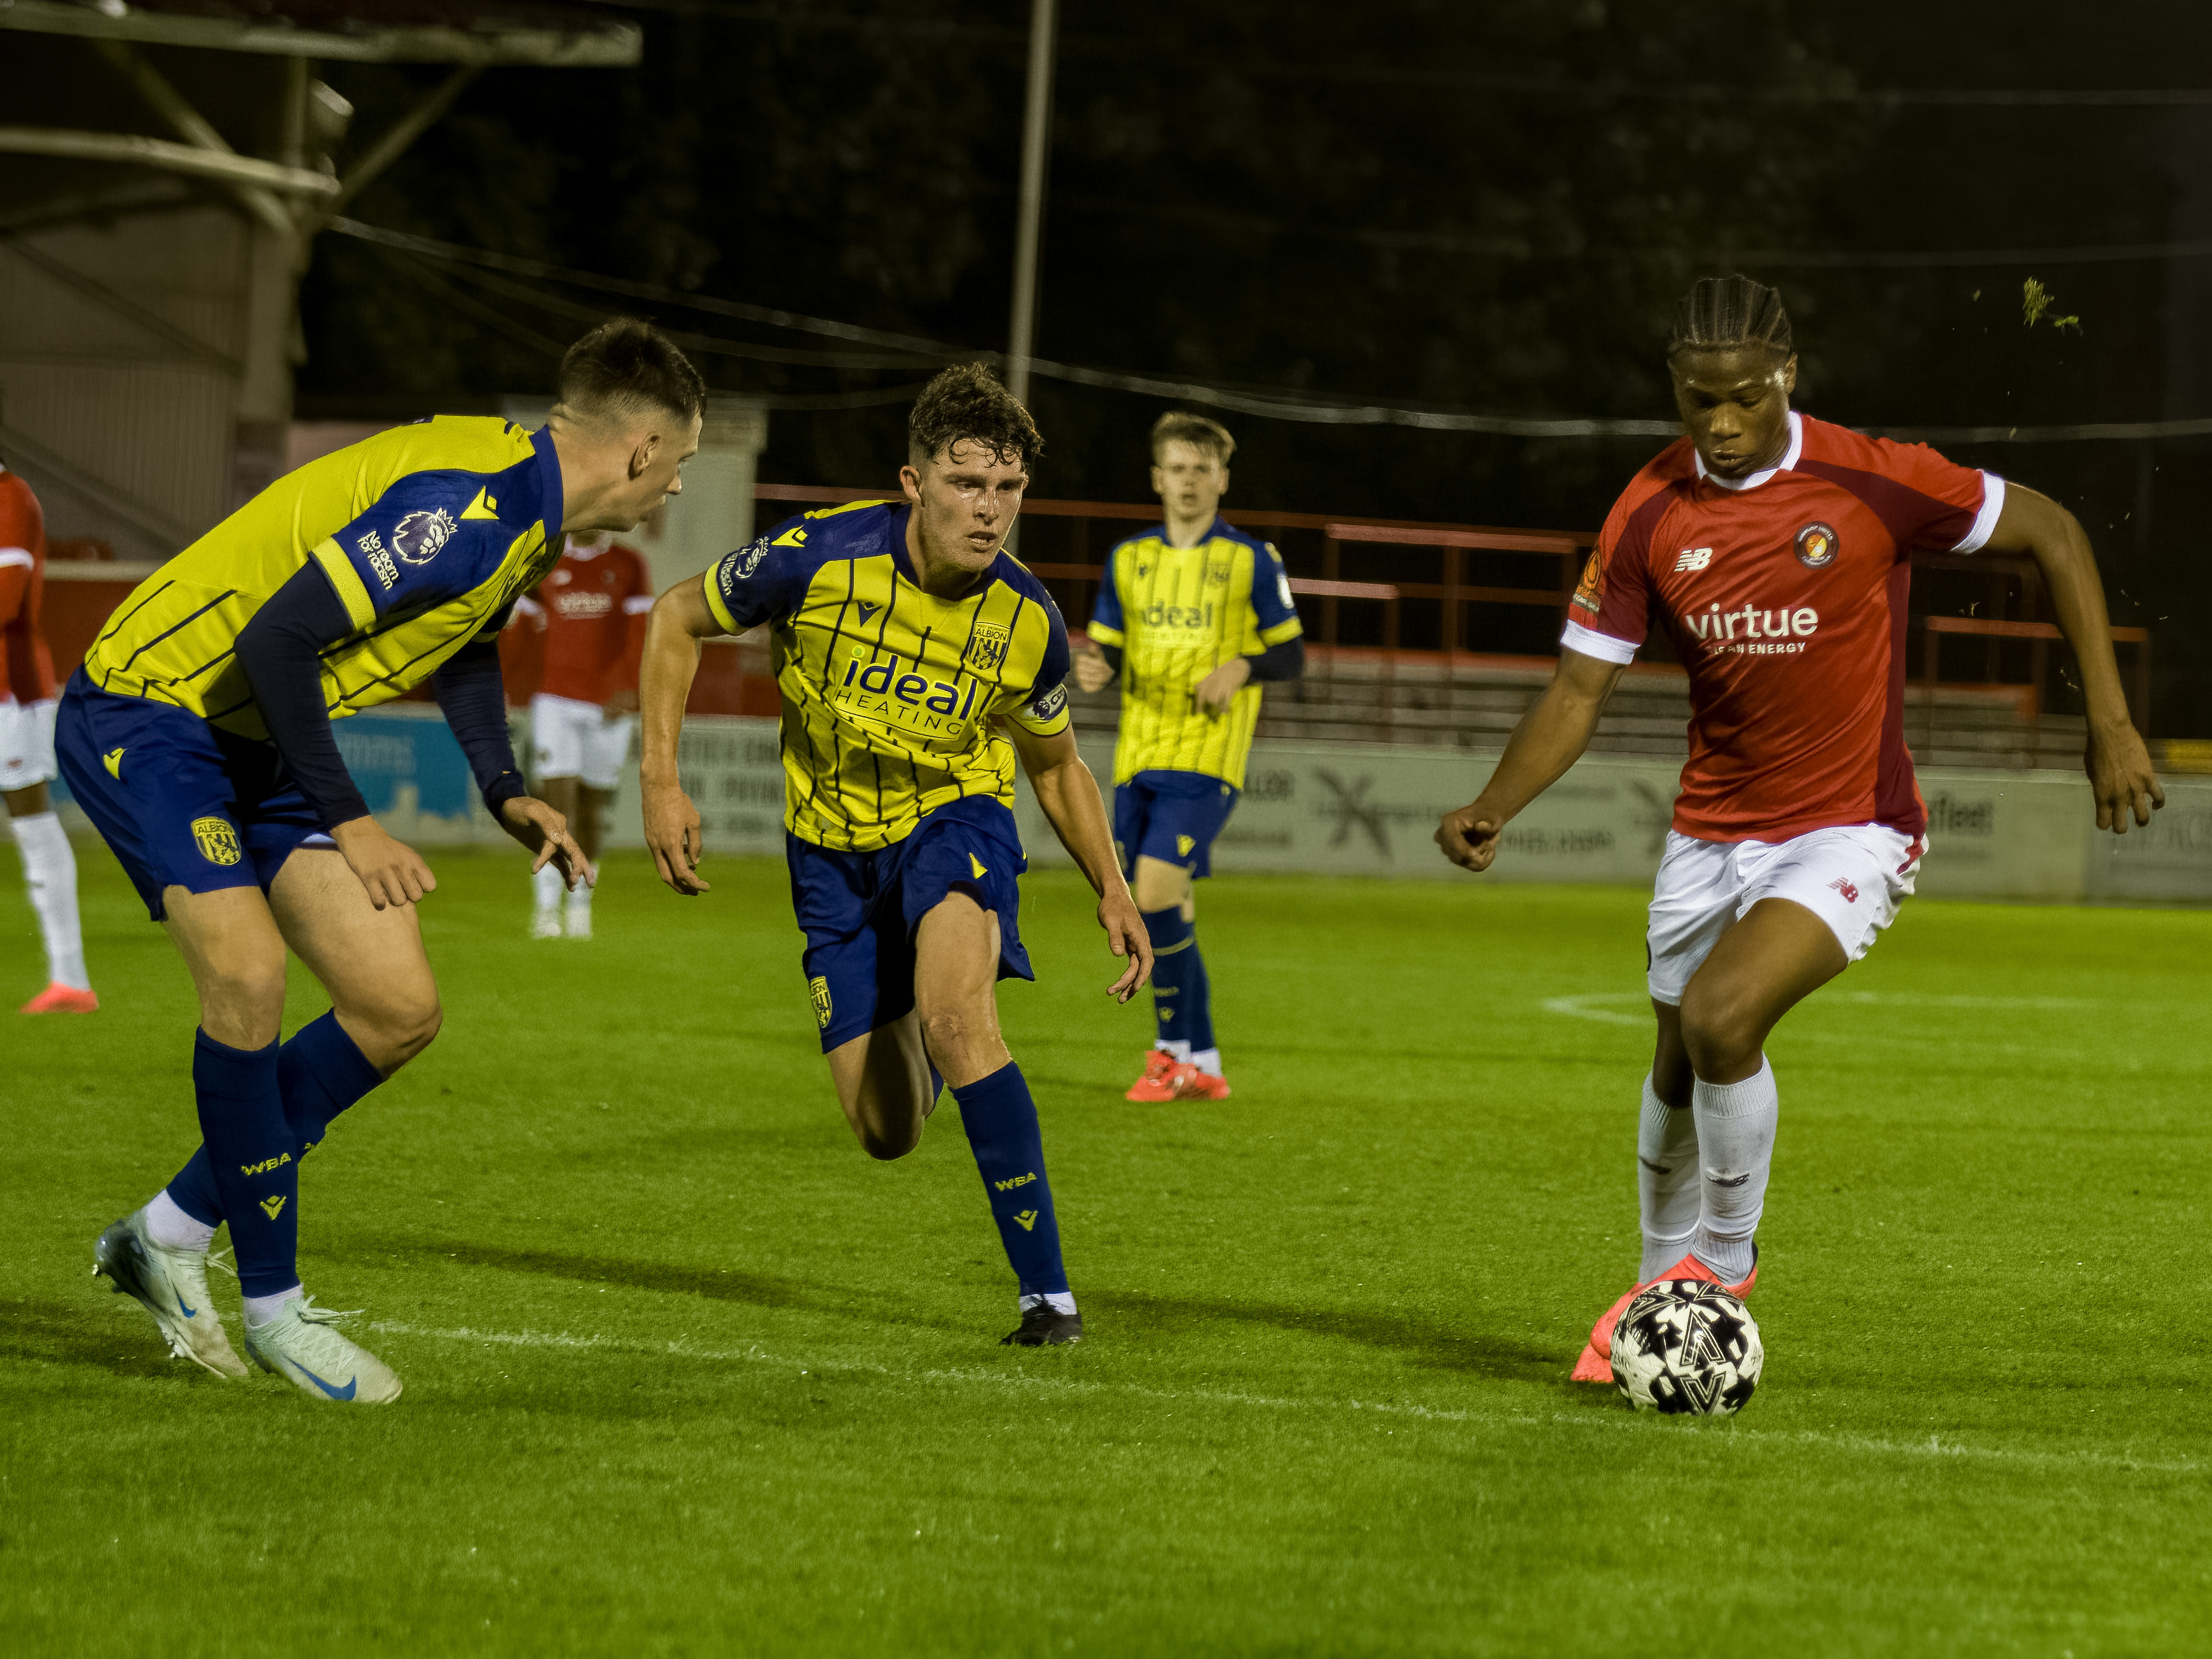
(686, 1373)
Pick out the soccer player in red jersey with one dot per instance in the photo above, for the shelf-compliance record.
(27, 752)
(592, 608)
(1774, 550)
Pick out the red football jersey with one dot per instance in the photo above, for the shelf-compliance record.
(1785, 593)
(22, 590)
(592, 608)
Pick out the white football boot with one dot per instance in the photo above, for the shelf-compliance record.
(300, 1346)
(172, 1285)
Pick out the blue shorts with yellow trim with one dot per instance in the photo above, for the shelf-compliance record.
(859, 911)
(1173, 817)
(179, 803)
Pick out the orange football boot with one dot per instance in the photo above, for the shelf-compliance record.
(1595, 1365)
(1191, 1083)
(1159, 1066)
(59, 999)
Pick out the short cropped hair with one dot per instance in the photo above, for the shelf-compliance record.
(1721, 313)
(967, 403)
(624, 368)
(1182, 426)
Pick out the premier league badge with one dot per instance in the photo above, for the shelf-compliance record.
(417, 537)
(1817, 546)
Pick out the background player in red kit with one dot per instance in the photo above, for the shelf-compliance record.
(1774, 549)
(592, 608)
(27, 752)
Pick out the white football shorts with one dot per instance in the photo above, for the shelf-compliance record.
(1851, 877)
(572, 740)
(26, 744)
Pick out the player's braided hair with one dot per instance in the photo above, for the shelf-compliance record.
(1183, 426)
(624, 368)
(967, 403)
(1723, 313)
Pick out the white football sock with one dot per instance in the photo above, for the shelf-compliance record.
(1175, 1048)
(1208, 1061)
(1735, 1146)
(260, 1310)
(50, 872)
(1058, 1301)
(1666, 1184)
(547, 886)
(167, 1224)
(580, 899)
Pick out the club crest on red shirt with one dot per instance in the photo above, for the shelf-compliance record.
(1817, 545)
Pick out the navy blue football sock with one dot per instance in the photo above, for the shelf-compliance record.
(1001, 1123)
(250, 1148)
(1174, 950)
(1197, 1000)
(319, 1073)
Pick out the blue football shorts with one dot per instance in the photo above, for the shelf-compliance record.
(179, 803)
(1172, 816)
(859, 911)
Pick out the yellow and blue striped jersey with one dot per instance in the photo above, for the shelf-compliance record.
(426, 532)
(890, 694)
(1178, 613)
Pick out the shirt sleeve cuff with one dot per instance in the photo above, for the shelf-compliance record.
(1289, 630)
(709, 586)
(1985, 521)
(1591, 643)
(1100, 634)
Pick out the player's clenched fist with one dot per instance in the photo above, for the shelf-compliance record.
(1092, 671)
(673, 831)
(1469, 836)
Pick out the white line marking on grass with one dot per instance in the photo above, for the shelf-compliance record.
(1578, 1008)
(1934, 1446)
(1585, 1006)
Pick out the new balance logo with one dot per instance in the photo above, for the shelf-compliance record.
(1027, 1219)
(1694, 558)
(1003, 1186)
(1850, 893)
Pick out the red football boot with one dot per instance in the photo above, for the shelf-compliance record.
(59, 999)
(1154, 1086)
(1191, 1083)
(1595, 1365)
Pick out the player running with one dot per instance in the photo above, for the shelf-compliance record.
(917, 660)
(198, 737)
(1194, 615)
(592, 608)
(1774, 550)
(27, 752)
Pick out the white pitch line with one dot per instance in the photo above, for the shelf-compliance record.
(1934, 1446)
(1580, 1006)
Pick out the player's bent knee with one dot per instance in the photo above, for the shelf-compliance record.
(1721, 1034)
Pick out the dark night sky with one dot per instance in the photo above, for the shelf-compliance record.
(1490, 208)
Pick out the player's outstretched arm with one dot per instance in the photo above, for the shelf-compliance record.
(2118, 764)
(679, 620)
(1069, 795)
(1549, 738)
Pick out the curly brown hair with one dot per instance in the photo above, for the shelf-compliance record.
(966, 403)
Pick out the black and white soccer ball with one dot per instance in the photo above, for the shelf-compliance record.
(1686, 1347)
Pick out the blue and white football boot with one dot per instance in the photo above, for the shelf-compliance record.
(300, 1345)
(172, 1285)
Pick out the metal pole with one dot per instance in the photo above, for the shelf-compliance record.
(1036, 122)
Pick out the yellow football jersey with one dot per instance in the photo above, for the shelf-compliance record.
(890, 694)
(426, 532)
(1178, 613)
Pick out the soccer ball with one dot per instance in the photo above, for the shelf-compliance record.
(1686, 1347)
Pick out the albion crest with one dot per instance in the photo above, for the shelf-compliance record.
(988, 644)
(218, 842)
(417, 537)
(818, 988)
